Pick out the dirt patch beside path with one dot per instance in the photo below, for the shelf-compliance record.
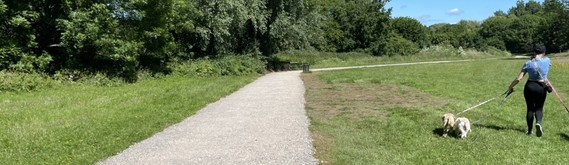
(359, 100)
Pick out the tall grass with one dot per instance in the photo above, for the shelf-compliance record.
(411, 135)
(327, 59)
(82, 124)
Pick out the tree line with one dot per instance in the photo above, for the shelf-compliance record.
(122, 37)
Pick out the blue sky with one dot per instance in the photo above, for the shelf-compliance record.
(430, 12)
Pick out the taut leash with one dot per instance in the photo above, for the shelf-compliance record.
(499, 105)
(484, 102)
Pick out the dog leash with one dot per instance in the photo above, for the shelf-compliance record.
(484, 102)
(499, 105)
(551, 85)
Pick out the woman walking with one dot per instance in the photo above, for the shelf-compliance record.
(535, 88)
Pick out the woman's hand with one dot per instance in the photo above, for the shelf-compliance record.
(510, 90)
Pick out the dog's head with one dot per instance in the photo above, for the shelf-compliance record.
(448, 120)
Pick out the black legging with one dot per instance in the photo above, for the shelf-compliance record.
(535, 95)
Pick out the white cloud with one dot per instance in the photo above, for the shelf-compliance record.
(424, 18)
(428, 20)
(455, 11)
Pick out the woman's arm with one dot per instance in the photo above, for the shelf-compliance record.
(516, 81)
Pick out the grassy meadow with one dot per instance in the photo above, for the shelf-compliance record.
(434, 53)
(392, 115)
(84, 124)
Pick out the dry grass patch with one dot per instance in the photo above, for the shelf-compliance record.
(362, 100)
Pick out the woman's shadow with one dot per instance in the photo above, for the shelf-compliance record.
(564, 136)
(439, 131)
(499, 128)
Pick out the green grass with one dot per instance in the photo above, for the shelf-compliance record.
(411, 134)
(328, 59)
(85, 124)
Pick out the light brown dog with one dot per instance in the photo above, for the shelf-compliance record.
(448, 123)
(462, 127)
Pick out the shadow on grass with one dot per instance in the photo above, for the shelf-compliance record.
(438, 131)
(499, 128)
(564, 136)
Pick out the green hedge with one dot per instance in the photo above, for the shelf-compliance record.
(230, 65)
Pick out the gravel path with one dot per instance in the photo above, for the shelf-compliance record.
(262, 123)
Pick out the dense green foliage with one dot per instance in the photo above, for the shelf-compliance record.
(120, 38)
(230, 65)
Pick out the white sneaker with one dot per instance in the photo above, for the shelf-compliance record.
(539, 131)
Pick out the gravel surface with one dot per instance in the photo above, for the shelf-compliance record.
(262, 123)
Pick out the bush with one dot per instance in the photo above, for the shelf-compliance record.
(400, 46)
(16, 59)
(449, 51)
(315, 57)
(86, 78)
(201, 67)
(441, 51)
(24, 82)
(240, 65)
(497, 52)
(230, 65)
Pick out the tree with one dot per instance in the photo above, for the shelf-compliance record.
(523, 33)
(533, 7)
(519, 9)
(446, 34)
(411, 29)
(93, 41)
(398, 45)
(469, 37)
(554, 25)
(494, 31)
(500, 13)
(24, 34)
(560, 35)
(288, 23)
(357, 25)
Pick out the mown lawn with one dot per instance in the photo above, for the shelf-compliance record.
(392, 115)
(85, 124)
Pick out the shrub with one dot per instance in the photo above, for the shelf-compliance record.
(240, 65)
(230, 65)
(400, 46)
(24, 82)
(16, 59)
(86, 78)
(440, 51)
(497, 52)
(201, 67)
(449, 51)
(315, 57)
